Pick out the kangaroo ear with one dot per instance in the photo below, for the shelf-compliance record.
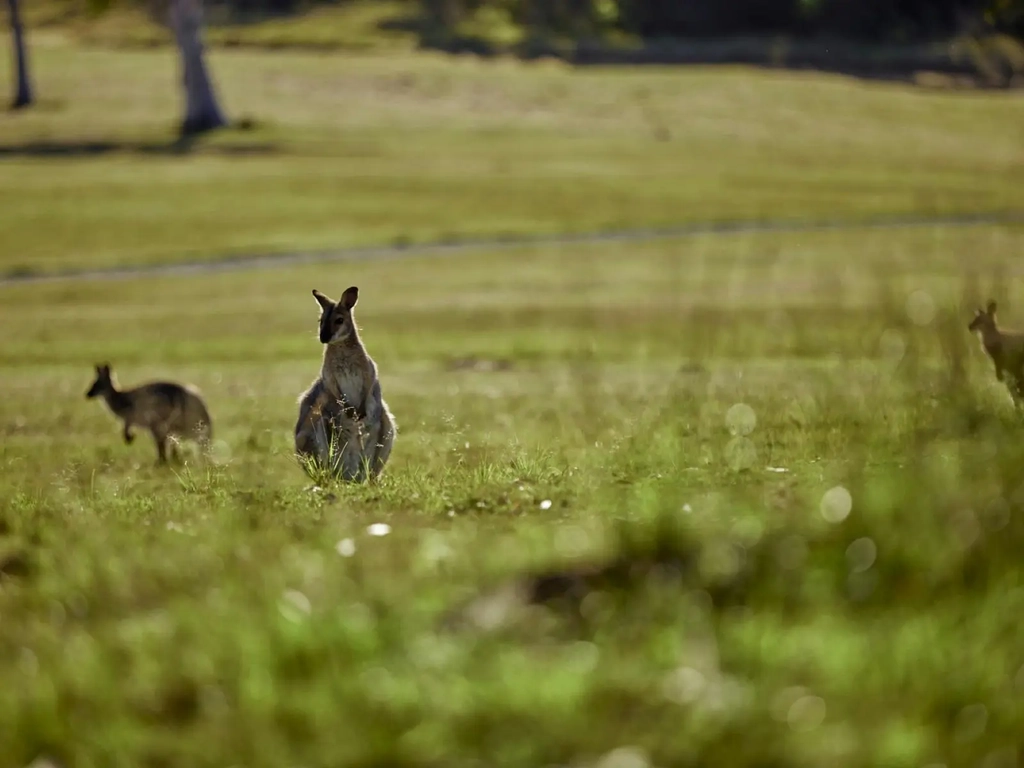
(350, 297)
(991, 309)
(325, 303)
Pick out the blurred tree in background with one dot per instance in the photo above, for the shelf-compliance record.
(22, 82)
(202, 109)
(185, 20)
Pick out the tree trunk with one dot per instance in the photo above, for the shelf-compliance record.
(23, 88)
(202, 112)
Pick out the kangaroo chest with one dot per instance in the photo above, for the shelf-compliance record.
(993, 347)
(121, 406)
(346, 384)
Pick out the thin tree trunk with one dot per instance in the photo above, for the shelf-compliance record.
(202, 112)
(23, 88)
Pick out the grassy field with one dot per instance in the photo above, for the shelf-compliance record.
(744, 500)
(686, 427)
(353, 150)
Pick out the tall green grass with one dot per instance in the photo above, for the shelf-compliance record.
(746, 500)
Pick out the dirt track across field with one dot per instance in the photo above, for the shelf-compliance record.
(398, 251)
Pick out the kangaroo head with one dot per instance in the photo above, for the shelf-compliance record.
(336, 321)
(984, 320)
(103, 383)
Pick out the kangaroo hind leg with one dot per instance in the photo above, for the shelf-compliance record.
(160, 438)
(380, 447)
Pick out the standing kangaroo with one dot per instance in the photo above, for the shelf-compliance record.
(344, 422)
(1004, 347)
(169, 411)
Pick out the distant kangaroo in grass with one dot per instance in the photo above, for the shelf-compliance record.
(169, 411)
(344, 423)
(1004, 347)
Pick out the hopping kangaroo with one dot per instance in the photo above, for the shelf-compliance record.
(1005, 347)
(344, 422)
(169, 411)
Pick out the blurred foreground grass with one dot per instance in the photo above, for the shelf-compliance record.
(726, 501)
(412, 147)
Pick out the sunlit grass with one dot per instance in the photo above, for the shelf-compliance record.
(730, 500)
(414, 147)
(355, 25)
(764, 492)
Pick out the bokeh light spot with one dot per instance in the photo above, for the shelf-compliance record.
(572, 541)
(921, 308)
(625, 757)
(346, 547)
(892, 345)
(784, 699)
(806, 713)
(294, 605)
(791, 552)
(836, 504)
(996, 515)
(220, 452)
(684, 685)
(861, 554)
(740, 454)
(748, 531)
(740, 420)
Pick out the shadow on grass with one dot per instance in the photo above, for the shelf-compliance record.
(181, 146)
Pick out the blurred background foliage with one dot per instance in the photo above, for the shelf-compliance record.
(868, 20)
(877, 21)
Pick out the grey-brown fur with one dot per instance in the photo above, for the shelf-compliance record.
(1004, 347)
(344, 422)
(169, 411)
